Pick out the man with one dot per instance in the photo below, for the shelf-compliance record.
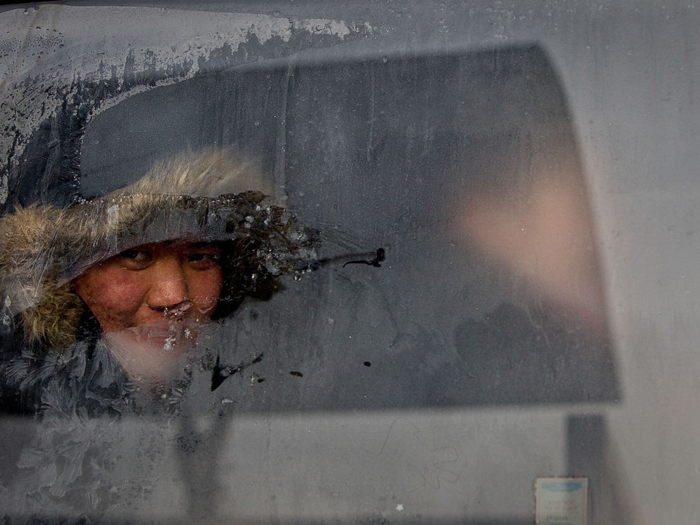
(109, 295)
(150, 300)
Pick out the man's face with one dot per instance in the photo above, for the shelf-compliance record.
(157, 293)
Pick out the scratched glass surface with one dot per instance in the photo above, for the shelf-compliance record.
(374, 263)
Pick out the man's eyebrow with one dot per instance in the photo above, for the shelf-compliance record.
(204, 244)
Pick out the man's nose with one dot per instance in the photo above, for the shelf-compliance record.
(168, 290)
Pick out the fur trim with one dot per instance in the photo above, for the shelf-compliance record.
(209, 195)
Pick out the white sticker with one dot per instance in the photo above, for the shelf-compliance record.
(561, 501)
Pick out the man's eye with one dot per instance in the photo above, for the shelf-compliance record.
(204, 257)
(136, 258)
(204, 261)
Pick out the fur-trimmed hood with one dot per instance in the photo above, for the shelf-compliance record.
(210, 195)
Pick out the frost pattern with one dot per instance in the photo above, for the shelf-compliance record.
(50, 52)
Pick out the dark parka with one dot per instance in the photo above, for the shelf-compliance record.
(54, 364)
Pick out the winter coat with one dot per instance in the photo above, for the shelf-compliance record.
(210, 195)
(55, 365)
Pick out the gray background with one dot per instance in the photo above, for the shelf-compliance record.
(629, 73)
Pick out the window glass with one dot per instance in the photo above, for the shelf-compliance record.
(372, 263)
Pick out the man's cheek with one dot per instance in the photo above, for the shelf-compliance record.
(207, 288)
(117, 305)
(206, 305)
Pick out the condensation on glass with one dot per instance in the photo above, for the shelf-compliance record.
(331, 264)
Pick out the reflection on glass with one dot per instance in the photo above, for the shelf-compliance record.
(461, 167)
(139, 271)
(546, 238)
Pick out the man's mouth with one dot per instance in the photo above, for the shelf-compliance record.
(177, 311)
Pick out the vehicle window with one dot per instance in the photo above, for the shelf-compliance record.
(301, 263)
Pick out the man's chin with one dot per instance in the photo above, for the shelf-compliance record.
(153, 351)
